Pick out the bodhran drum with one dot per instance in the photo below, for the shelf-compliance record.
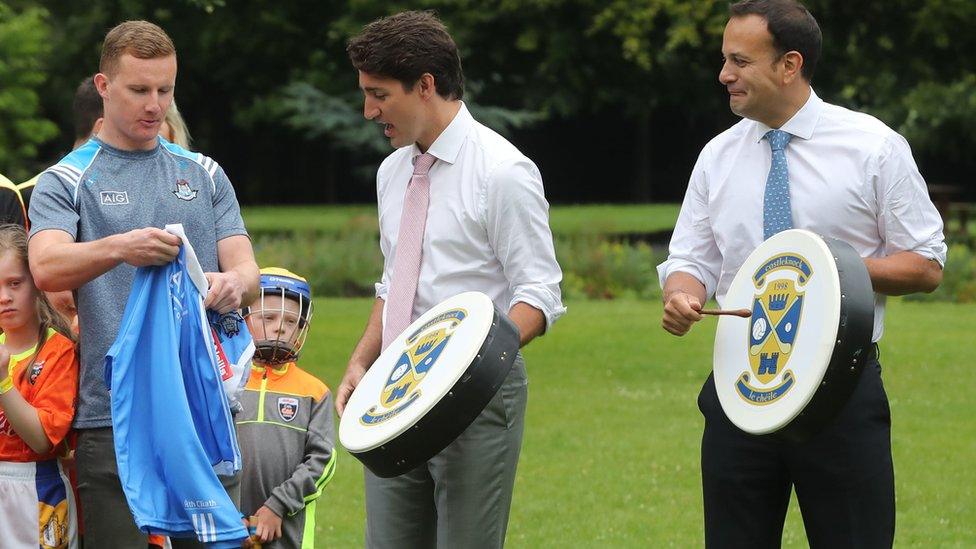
(791, 366)
(429, 384)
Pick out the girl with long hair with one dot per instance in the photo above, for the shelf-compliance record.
(38, 388)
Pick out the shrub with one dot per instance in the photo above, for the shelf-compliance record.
(347, 263)
(958, 279)
(597, 268)
(344, 264)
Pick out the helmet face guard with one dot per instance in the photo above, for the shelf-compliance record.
(279, 326)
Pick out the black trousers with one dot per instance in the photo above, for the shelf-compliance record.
(844, 480)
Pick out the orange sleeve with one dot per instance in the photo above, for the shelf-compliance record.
(56, 387)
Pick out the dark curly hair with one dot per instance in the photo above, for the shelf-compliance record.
(407, 45)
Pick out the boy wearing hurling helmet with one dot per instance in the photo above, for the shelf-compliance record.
(286, 429)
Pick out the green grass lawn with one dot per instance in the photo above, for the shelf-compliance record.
(611, 451)
(603, 219)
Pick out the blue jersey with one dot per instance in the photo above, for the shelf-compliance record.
(173, 428)
(235, 349)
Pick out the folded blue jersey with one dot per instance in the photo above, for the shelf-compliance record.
(235, 349)
(172, 424)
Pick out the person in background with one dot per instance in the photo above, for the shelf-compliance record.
(12, 207)
(174, 128)
(38, 387)
(86, 109)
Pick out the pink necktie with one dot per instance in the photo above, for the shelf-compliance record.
(409, 251)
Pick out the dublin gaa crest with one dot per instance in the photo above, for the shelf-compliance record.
(424, 347)
(183, 190)
(777, 309)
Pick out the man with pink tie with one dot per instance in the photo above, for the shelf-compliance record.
(460, 209)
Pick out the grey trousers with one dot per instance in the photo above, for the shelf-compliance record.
(107, 519)
(461, 497)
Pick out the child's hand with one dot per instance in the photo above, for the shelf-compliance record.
(67, 461)
(267, 523)
(4, 362)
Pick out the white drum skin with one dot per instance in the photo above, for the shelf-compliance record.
(429, 384)
(769, 367)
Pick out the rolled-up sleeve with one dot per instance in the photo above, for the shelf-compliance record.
(909, 220)
(693, 249)
(516, 216)
(382, 287)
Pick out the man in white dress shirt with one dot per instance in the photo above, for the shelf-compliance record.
(460, 209)
(844, 175)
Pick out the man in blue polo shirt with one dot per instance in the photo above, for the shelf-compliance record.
(99, 213)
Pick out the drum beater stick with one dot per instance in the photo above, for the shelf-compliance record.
(744, 313)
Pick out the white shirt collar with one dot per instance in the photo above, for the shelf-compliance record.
(448, 144)
(801, 124)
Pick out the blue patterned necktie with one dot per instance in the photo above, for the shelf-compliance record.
(777, 215)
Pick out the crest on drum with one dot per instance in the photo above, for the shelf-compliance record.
(777, 309)
(423, 347)
(791, 366)
(429, 384)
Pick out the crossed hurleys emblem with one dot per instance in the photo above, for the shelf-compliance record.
(777, 309)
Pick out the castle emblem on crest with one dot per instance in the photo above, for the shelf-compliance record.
(776, 312)
(230, 323)
(183, 190)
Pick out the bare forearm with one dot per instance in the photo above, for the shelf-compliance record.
(250, 274)
(369, 346)
(903, 273)
(59, 263)
(530, 322)
(23, 418)
(680, 282)
(70, 265)
(239, 271)
(363, 356)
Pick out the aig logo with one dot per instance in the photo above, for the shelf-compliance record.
(114, 198)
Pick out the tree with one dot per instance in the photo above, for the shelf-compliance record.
(268, 90)
(24, 45)
(910, 63)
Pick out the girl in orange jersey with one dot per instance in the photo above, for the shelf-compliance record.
(38, 388)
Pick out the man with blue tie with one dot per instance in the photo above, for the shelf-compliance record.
(795, 161)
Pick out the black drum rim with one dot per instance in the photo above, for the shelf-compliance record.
(444, 422)
(852, 346)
